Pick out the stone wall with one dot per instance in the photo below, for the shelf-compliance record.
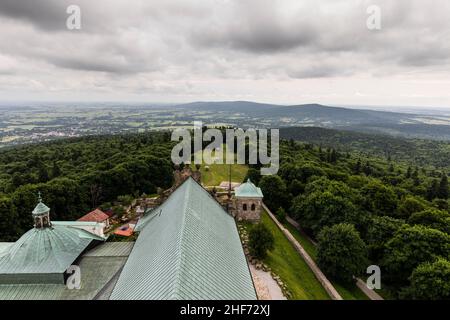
(248, 209)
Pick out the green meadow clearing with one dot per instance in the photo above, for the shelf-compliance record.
(214, 174)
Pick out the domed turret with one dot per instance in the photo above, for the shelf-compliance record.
(41, 215)
(43, 254)
(248, 201)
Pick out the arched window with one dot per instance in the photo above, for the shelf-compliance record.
(253, 207)
(244, 207)
(37, 222)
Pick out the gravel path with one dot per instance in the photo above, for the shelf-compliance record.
(266, 287)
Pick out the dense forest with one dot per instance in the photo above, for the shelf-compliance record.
(426, 153)
(367, 211)
(361, 209)
(77, 175)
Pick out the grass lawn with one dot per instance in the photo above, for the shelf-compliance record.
(216, 173)
(304, 241)
(220, 172)
(346, 292)
(287, 263)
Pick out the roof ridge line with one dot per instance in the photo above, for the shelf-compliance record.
(147, 217)
(180, 248)
(211, 196)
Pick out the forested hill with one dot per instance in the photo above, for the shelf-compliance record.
(247, 114)
(396, 214)
(77, 175)
(425, 153)
(366, 211)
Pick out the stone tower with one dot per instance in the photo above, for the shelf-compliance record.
(248, 199)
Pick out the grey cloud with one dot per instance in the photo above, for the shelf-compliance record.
(51, 15)
(46, 14)
(254, 26)
(409, 37)
(95, 66)
(310, 72)
(270, 39)
(110, 57)
(198, 42)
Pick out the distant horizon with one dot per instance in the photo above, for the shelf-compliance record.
(387, 107)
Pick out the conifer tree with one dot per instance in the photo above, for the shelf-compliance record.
(408, 173)
(443, 188)
(432, 191)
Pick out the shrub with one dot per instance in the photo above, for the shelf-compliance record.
(281, 215)
(118, 211)
(105, 206)
(260, 241)
(125, 200)
(431, 281)
(275, 191)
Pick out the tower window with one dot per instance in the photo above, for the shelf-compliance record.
(244, 207)
(253, 207)
(38, 222)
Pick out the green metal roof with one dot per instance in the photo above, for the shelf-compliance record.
(40, 209)
(188, 248)
(93, 283)
(79, 225)
(5, 245)
(45, 250)
(248, 190)
(111, 249)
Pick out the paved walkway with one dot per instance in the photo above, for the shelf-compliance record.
(368, 292)
(266, 287)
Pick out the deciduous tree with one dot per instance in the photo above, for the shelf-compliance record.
(260, 241)
(341, 252)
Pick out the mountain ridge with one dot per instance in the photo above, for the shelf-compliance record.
(252, 114)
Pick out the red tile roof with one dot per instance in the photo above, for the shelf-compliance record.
(96, 216)
(109, 212)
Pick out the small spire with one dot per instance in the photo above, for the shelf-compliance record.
(41, 214)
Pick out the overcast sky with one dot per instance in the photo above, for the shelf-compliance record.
(284, 51)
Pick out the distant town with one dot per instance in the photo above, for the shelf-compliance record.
(24, 123)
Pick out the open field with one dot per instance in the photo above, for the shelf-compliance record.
(214, 174)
